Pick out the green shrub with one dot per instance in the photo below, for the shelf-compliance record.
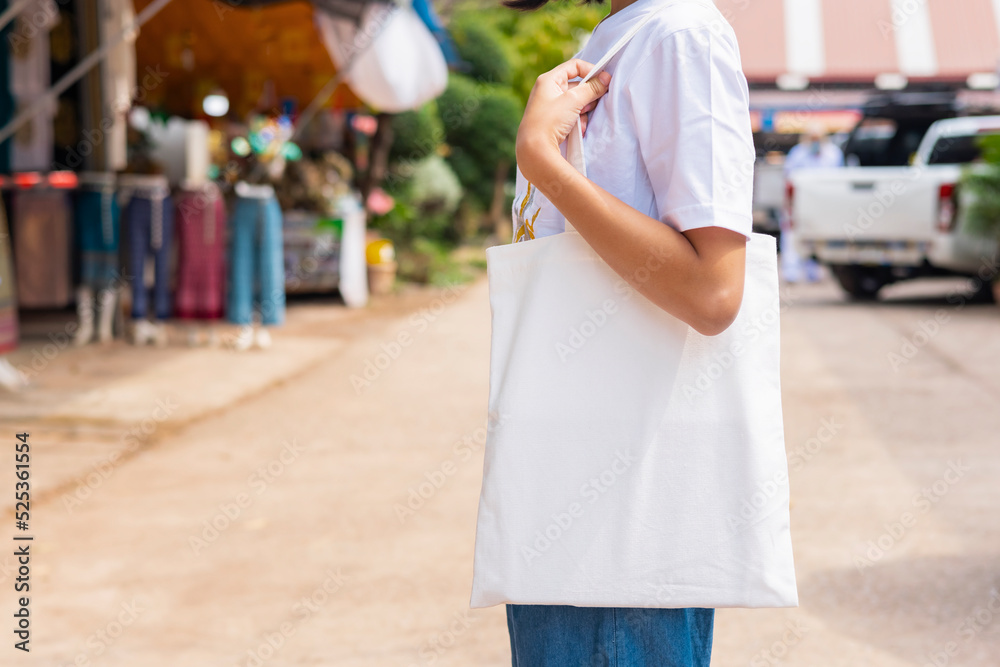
(416, 134)
(484, 48)
(480, 124)
(983, 183)
(434, 186)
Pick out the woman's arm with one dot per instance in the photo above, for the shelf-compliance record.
(697, 276)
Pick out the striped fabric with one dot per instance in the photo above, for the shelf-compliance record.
(856, 40)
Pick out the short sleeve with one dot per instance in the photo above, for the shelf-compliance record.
(689, 102)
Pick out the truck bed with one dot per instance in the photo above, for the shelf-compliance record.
(869, 203)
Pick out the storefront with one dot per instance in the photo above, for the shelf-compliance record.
(181, 160)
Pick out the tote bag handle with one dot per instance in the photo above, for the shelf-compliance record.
(574, 141)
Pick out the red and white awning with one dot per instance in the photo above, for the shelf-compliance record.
(856, 41)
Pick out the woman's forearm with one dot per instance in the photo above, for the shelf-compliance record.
(696, 276)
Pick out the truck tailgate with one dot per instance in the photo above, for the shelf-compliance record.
(869, 203)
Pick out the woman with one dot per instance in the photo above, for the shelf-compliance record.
(670, 161)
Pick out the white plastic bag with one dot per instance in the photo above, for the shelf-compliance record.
(397, 63)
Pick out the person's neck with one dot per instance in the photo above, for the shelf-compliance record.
(618, 5)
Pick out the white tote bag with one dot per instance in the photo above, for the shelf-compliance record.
(630, 461)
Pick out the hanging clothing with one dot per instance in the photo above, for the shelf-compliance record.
(30, 66)
(201, 231)
(8, 293)
(7, 102)
(256, 257)
(42, 239)
(98, 219)
(149, 217)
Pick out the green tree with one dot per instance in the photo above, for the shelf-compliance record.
(983, 183)
(483, 48)
(544, 38)
(416, 134)
(480, 123)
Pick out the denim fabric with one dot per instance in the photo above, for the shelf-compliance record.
(98, 217)
(256, 262)
(565, 636)
(150, 231)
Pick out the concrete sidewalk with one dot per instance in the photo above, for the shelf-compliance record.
(97, 405)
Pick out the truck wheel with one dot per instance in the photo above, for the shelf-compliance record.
(862, 283)
(984, 294)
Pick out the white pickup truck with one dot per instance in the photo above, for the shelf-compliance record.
(877, 225)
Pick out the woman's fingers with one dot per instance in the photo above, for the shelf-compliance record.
(585, 111)
(592, 90)
(555, 105)
(562, 74)
(571, 69)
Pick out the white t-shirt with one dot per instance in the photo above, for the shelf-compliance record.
(672, 136)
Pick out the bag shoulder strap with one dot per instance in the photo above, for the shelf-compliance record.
(626, 38)
(574, 142)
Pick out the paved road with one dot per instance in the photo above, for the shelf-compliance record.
(273, 533)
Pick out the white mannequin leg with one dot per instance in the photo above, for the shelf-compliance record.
(11, 379)
(262, 338)
(107, 300)
(85, 313)
(142, 332)
(244, 338)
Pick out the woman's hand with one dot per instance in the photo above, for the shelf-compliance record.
(554, 105)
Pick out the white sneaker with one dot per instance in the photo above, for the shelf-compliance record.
(142, 332)
(107, 301)
(243, 341)
(262, 339)
(85, 312)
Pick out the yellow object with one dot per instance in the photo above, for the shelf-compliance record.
(380, 251)
(526, 227)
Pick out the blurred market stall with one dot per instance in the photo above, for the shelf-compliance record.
(195, 160)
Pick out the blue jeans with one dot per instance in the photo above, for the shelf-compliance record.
(150, 216)
(256, 262)
(565, 636)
